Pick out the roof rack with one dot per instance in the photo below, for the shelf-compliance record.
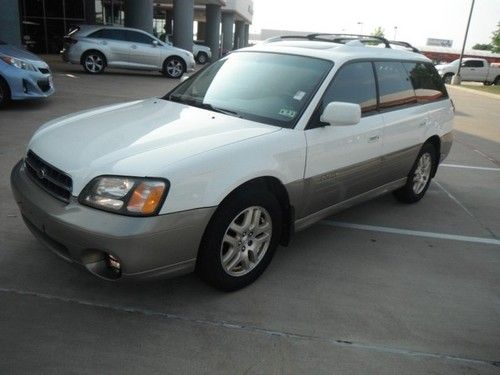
(404, 44)
(334, 38)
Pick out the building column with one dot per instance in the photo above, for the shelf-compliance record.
(212, 29)
(201, 33)
(10, 22)
(239, 31)
(246, 35)
(227, 32)
(183, 24)
(90, 12)
(169, 18)
(139, 14)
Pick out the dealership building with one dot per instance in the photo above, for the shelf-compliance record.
(40, 25)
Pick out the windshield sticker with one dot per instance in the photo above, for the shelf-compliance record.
(299, 95)
(287, 112)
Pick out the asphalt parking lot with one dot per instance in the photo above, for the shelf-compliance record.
(380, 288)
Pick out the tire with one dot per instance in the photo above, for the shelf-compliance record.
(496, 82)
(202, 58)
(420, 176)
(93, 62)
(233, 255)
(174, 67)
(447, 78)
(4, 92)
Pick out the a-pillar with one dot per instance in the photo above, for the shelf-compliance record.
(139, 14)
(212, 29)
(227, 32)
(183, 24)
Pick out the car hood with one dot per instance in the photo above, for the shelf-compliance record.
(12, 51)
(139, 138)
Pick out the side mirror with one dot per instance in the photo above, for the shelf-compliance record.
(155, 43)
(341, 114)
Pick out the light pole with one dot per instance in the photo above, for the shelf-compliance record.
(360, 27)
(395, 31)
(456, 80)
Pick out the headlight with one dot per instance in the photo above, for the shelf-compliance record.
(18, 63)
(125, 195)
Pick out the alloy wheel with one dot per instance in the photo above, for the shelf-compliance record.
(246, 241)
(175, 68)
(422, 173)
(94, 63)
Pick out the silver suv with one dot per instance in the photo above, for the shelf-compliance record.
(98, 47)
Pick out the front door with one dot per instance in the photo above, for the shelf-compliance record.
(344, 161)
(143, 53)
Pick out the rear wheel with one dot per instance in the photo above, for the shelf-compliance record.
(240, 240)
(94, 62)
(420, 176)
(496, 82)
(174, 67)
(447, 78)
(202, 58)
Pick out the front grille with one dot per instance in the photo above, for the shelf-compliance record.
(44, 85)
(44, 70)
(49, 178)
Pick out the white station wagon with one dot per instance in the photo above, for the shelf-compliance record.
(224, 168)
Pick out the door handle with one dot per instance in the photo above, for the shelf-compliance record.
(375, 138)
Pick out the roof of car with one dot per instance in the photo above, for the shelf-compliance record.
(335, 51)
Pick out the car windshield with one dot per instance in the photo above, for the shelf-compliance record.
(264, 87)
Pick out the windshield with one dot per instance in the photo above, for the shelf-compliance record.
(265, 87)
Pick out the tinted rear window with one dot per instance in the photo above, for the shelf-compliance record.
(136, 37)
(395, 88)
(473, 64)
(426, 82)
(113, 34)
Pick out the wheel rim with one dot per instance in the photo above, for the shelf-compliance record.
(246, 241)
(422, 173)
(447, 79)
(175, 68)
(202, 59)
(94, 63)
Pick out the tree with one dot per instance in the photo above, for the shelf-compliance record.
(483, 47)
(495, 39)
(379, 31)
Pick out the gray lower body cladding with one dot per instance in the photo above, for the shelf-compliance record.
(159, 246)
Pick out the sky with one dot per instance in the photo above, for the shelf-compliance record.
(416, 20)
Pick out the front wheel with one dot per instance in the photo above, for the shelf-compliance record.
(174, 67)
(420, 176)
(202, 58)
(4, 93)
(240, 240)
(447, 78)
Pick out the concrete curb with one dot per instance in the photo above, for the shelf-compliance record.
(479, 92)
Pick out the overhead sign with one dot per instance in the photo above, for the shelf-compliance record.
(439, 42)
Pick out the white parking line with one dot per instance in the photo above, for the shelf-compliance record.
(417, 233)
(470, 167)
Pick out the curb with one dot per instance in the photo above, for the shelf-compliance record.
(479, 92)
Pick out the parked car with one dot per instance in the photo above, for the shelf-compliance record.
(23, 75)
(472, 69)
(202, 53)
(221, 170)
(99, 47)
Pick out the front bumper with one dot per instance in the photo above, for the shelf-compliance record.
(146, 247)
(28, 84)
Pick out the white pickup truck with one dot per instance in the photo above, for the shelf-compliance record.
(472, 69)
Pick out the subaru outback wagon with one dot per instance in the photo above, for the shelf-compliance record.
(220, 171)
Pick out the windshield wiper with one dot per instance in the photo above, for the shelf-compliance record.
(189, 100)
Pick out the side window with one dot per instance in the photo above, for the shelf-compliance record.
(136, 37)
(473, 64)
(395, 88)
(426, 82)
(113, 34)
(354, 83)
(96, 34)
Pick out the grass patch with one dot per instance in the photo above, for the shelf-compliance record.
(491, 89)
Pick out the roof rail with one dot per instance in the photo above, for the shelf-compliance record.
(333, 38)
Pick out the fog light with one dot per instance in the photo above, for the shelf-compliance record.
(113, 264)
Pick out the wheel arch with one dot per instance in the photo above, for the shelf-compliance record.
(9, 91)
(435, 141)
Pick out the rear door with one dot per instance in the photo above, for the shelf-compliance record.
(114, 44)
(405, 120)
(143, 53)
(473, 70)
(344, 161)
